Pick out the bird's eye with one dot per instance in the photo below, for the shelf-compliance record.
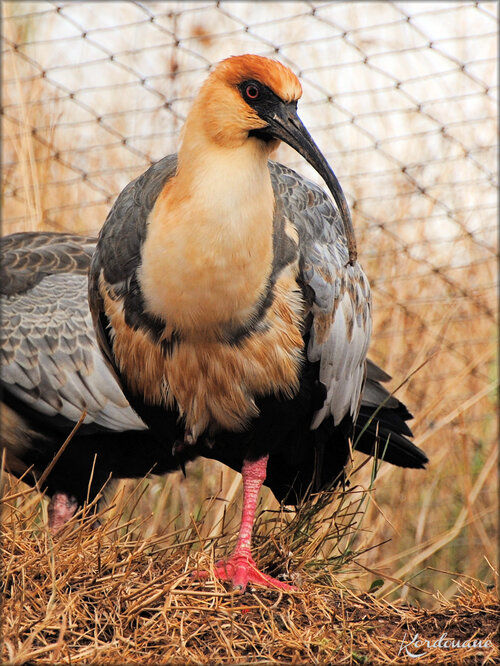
(251, 91)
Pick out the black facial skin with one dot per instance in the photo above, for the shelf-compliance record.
(265, 104)
(284, 124)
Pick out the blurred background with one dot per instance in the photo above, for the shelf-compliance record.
(402, 99)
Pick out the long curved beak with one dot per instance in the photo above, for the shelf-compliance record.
(285, 124)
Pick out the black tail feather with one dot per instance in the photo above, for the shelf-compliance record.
(384, 433)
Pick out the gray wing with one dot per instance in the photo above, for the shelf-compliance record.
(119, 255)
(337, 294)
(28, 257)
(49, 355)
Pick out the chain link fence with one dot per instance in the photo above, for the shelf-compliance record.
(402, 99)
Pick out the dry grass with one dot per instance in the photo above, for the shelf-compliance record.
(106, 596)
(123, 592)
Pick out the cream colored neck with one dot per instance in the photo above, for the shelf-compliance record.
(208, 251)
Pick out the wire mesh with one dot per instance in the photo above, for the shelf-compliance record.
(400, 96)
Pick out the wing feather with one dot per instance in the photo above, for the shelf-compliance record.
(337, 294)
(50, 359)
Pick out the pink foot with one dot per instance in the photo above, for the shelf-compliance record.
(61, 508)
(241, 570)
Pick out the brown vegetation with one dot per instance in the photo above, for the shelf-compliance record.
(105, 595)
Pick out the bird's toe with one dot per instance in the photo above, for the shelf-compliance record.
(241, 570)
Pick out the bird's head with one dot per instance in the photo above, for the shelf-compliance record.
(240, 97)
(249, 98)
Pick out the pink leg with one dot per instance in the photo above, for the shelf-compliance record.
(240, 568)
(62, 507)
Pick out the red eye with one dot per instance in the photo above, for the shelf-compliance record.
(252, 91)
